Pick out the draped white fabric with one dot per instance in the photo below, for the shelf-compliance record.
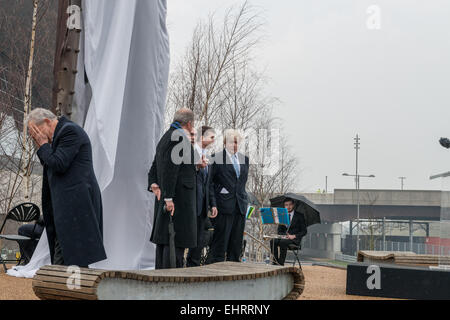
(126, 59)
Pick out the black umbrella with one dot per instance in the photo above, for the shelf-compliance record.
(445, 143)
(173, 259)
(172, 256)
(303, 205)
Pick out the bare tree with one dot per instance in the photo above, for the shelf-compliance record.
(26, 141)
(217, 52)
(16, 23)
(25, 81)
(270, 176)
(217, 79)
(373, 226)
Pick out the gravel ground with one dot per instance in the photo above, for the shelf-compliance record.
(322, 283)
(12, 288)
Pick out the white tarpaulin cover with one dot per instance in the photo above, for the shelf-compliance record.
(125, 54)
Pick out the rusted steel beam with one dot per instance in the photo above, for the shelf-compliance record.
(66, 56)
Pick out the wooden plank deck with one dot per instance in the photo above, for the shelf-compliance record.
(51, 282)
(402, 258)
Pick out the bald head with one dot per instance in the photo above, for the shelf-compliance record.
(184, 116)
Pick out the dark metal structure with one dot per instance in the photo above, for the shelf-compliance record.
(66, 56)
(340, 213)
(25, 213)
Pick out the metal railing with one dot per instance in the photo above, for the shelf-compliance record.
(397, 246)
(419, 248)
(344, 257)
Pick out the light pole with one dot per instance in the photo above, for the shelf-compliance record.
(403, 179)
(357, 177)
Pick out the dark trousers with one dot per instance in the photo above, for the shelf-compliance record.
(279, 248)
(58, 258)
(162, 259)
(194, 254)
(27, 247)
(227, 237)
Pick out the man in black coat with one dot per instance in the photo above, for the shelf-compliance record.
(172, 178)
(71, 198)
(205, 194)
(293, 234)
(229, 175)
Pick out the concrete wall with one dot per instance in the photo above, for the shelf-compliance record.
(378, 197)
(323, 241)
(320, 198)
(388, 197)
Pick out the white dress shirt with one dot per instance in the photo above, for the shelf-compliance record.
(291, 215)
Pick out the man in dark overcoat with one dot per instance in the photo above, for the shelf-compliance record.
(71, 198)
(172, 178)
(205, 193)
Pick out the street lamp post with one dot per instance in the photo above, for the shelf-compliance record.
(402, 179)
(357, 178)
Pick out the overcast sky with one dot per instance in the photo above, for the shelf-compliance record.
(336, 78)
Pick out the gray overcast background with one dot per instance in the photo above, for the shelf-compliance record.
(336, 78)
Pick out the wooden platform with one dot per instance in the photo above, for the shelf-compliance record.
(220, 281)
(402, 258)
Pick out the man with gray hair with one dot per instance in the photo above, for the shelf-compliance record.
(172, 178)
(229, 175)
(71, 198)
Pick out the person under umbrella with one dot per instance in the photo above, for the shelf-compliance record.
(301, 204)
(292, 235)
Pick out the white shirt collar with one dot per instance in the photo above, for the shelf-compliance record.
(231, 155)
(198, 148)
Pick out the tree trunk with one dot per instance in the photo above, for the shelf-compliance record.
(26, 147)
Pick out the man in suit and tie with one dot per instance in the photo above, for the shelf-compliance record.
(205, 193)
(293, 234)
(229, 175)
(172, 178)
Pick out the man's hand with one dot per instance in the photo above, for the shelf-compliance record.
(39, 138)
(156, 190)
(291, 237)
(214, 212)
(204, 163)
(170, 207)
